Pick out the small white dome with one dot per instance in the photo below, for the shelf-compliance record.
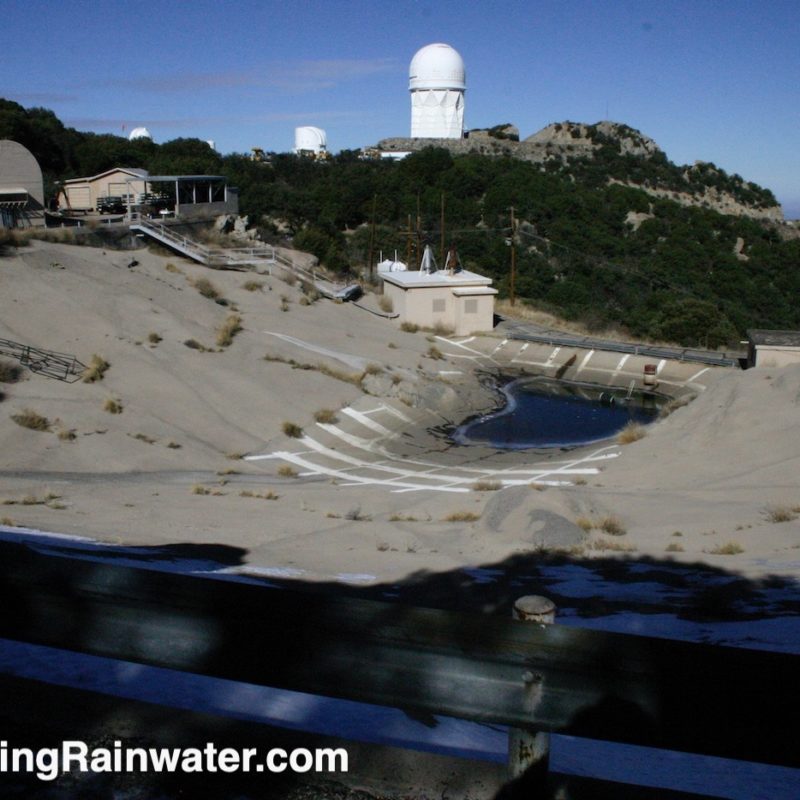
(140, 133)
(437, 66)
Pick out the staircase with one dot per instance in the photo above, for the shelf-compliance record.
(262, 258)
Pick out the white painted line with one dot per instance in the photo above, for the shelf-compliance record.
(451, 372)
(552, 358)
(364, 420)
(524, 347)
(697, 374)
(503, 343)
(585, 360)
(661, 365)
(396, 412)
(620, 365)
(356, 362)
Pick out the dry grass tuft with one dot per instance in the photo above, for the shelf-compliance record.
(356, 515)
(728, 549)
(780, 513)
(402, 518)
(486, 486)
(228, 330)
(143, 437)
(170, 267)
(435, 353)
(154, 338)
(174, 445)
(206, 288)
(326, 416)
(253, 286)
(198, 489)
(292, 430)
(584, 523)
(608, 544)
(67, 434)
(193, 344)
(385, 304)
(113, 405)
(462, 516)
(269, 495)
(611, 525)
(98, 367)
(234, 456)
(674, 548)
(28, 418)
(632, 432)
(287, 472)
(9, 373)
(409, 327)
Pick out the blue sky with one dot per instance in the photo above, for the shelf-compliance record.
(707, 79)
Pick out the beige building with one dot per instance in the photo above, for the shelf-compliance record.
(21, 187)
(82, 194)
(459, 301)
(773, 348)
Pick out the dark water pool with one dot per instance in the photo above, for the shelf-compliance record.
(540, 412)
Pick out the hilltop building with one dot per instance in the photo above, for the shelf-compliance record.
(21, 187)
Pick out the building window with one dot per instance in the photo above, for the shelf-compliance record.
(439, 306)
(471, 305)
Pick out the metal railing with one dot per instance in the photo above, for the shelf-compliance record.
(262, 255)
(718, 701)
(558, 339)
(61, 366)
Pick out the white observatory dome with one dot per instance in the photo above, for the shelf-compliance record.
(437, 81)
(437, 66)
(140, 133)
(310, 139)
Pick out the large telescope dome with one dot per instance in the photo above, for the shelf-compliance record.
(437, 66)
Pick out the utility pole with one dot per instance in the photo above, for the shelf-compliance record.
(511, 295)
(419, 235)
(441, 246)
(409, 240)
(372, 238)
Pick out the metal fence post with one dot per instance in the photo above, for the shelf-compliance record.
(529, 749)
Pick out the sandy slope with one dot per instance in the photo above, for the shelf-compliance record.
(709, 471)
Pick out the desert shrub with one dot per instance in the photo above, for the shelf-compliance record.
(292, 430)
(632, 432)
(584, 523)
(728, 549)
(154, 338)
(98, 367)
(228, 330)
(206, 288)
(287, 472)
(9, 373)
(28, 418)
(67, 435)
(385, 304)
(193, 344)
(674, 548)
(253, 286)
(326, 416)
(170, 267)
(780, 514)
(409, 327)
(612, 525)
(462, 516)
(113, 406)
(435, 353)
(486, 486)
